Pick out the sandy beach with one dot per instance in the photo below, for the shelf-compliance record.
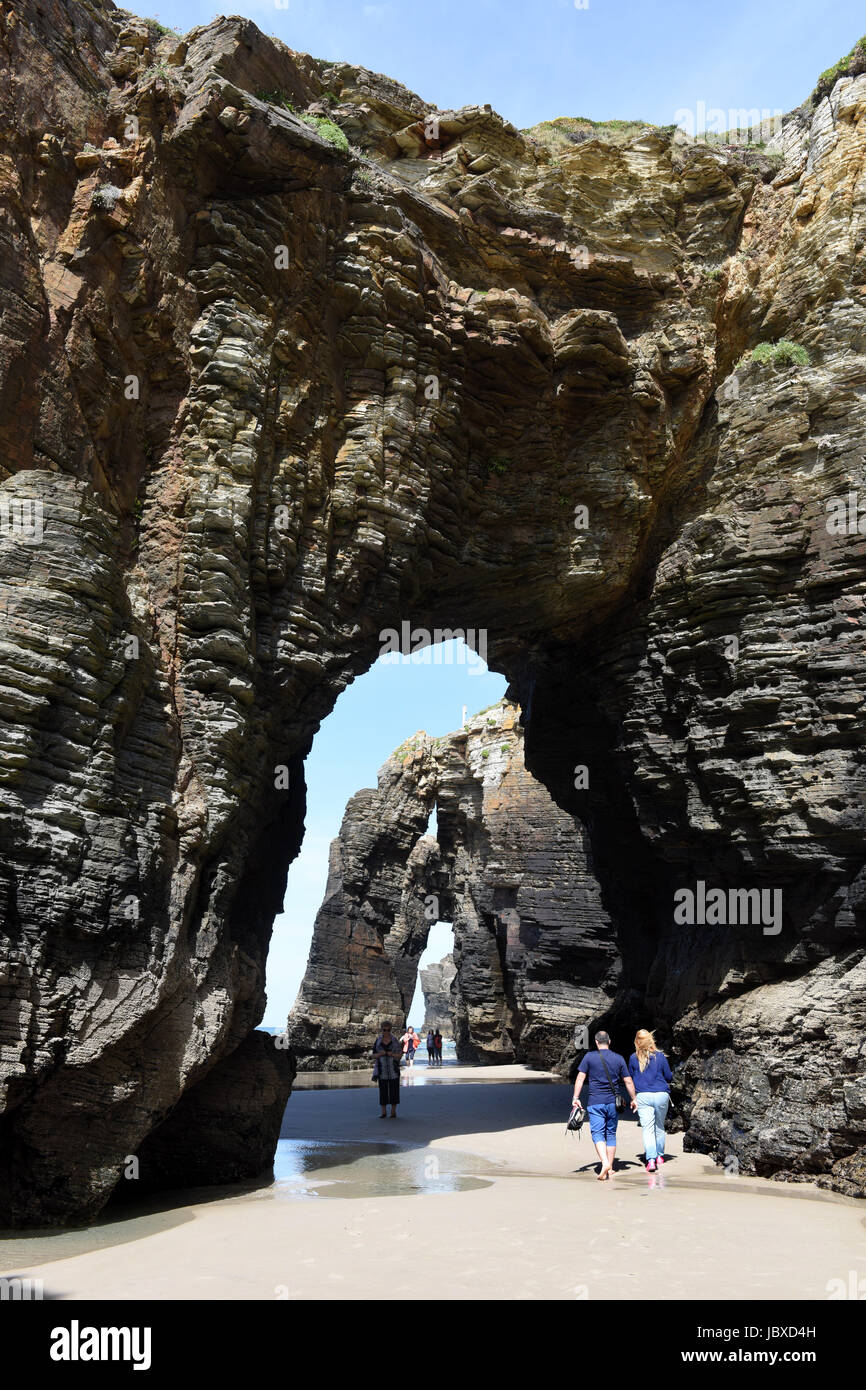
(475, 1183)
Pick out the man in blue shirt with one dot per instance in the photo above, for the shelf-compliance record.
(603, 1070)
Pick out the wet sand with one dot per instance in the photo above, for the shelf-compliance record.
(475, 1182)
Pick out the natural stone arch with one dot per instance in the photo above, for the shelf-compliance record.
(534, 950)
(283, 487)
(435, 980)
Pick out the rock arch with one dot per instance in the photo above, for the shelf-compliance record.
(534, 949)
(436, 980)
(373, 388)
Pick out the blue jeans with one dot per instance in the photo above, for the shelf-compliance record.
(602, 1122)
(652, 1107)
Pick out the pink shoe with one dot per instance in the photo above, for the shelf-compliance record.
(660, 1160)
(651, 1166)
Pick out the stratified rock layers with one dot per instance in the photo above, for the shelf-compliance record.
(534, 949)
(226, 1128)
(262, 397)
(436, 981)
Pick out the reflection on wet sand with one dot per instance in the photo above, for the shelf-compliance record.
(371, 1170)
(451, 1073)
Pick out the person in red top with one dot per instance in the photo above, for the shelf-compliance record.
(410, 1041)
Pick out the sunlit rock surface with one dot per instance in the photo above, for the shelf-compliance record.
(436, 981)
(263, 396)
(534, 950)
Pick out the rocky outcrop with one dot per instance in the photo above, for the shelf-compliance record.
(267, 389)
(224, 1130)
(535, 952)
(436, 981)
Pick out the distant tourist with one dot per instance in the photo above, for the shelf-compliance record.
(386, 1069)
(604, 1070)
(652, 1076)
(410, 1041)
(431, 1048)
(437, 1042)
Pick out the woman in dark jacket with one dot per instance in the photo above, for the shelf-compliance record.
(651, 1074)
(387, 1053)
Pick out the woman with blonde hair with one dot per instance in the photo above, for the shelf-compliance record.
(648, 1068)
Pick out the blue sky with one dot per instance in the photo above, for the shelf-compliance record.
(370, 720)
(536, 59)
(531, 60)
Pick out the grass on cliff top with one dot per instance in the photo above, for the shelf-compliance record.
(567, 131)
(487, 708)
(161, 30)
(827, 80)
(409, 746)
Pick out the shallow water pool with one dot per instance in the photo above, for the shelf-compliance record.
(313, 1168)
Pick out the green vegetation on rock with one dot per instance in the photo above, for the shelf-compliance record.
(784, 353)
(162, 30)
(495, 705)
(275, 98)
(827, 80)
(329, 130)
(566, 131)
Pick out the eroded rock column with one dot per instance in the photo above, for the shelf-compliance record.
(534, 950)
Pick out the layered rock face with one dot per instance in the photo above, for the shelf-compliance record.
(263, 397)
(436, 981)
(226, 1128)
(535, 952)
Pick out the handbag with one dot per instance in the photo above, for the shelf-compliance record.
(617, 1098)
(575, 1120)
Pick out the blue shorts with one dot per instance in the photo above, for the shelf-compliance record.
(602, 1122)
